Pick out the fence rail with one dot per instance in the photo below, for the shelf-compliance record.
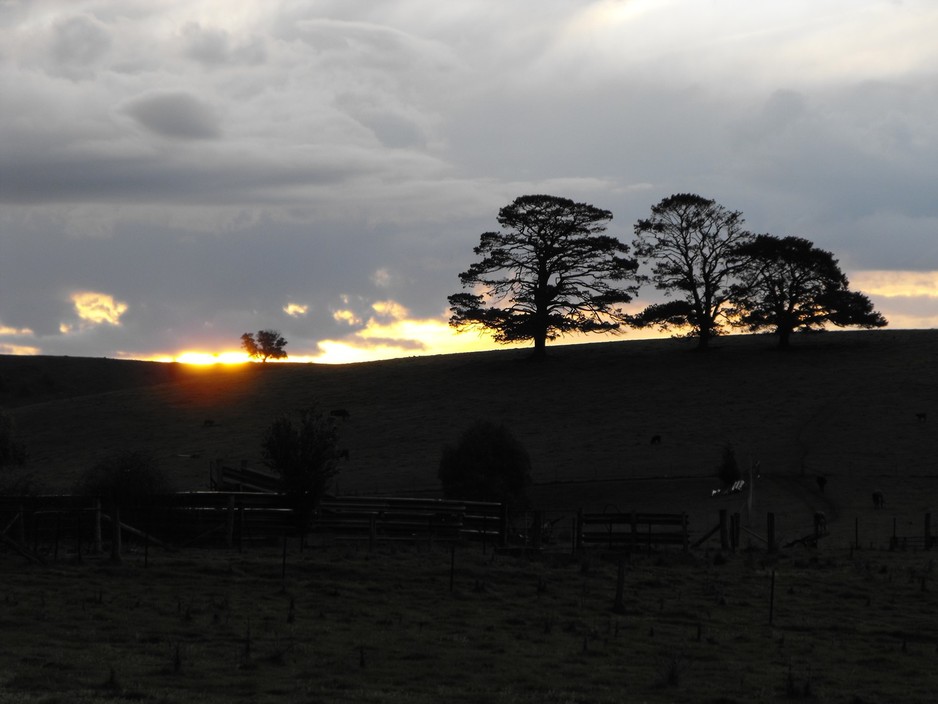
(234, 518)
(632, 531)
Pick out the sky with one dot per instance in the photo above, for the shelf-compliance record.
(176, 173)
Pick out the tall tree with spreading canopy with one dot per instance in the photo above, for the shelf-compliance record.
(549, 272)
(266, 344)
(788, 284)
(691, 244)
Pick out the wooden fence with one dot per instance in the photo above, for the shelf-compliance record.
(237, 518)
(632, 531)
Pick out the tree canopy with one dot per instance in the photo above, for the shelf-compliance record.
(788, 284)
(549, 271)
(265, 344)
(691, 243)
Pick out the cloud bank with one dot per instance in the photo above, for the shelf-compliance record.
(213, 170)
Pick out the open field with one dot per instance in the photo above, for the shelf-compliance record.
(346, 625)
(850, 624)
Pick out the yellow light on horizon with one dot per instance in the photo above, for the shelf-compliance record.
(206, 358)
(897, 284)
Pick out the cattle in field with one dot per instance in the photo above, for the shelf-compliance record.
(340, 413)
(921, 417)
(878, 499)
(820, 524)
(655, 439)
(821, 483)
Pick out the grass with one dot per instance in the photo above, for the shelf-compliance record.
(352, 626)
(852, 622)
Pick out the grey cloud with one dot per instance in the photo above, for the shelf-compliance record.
(176, 115)
(391, 128)
(301, 151)
(77, 44)
(212, 47)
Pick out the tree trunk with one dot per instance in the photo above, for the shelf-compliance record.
(540, 347)
(784, 335)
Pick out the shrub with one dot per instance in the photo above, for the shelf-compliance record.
(124, 477)
(305, 456)
(487, 464)
(11, 451)
(729, 468)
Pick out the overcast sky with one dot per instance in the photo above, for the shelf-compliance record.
(175, 173)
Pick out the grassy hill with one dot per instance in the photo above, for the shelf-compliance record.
(841, 404)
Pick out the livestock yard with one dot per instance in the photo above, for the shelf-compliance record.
(846, 612)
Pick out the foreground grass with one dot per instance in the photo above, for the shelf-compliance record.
(397, 625)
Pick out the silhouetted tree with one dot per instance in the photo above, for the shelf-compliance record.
(550, 271)
(265, 344)
(690, 243)
(120, 480)
(487, 464)
(11, 450)
(305, 455)
(788, 284)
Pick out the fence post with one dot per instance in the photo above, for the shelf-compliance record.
(485, 531)
(724, 538)
(537, 528)
(80, 513)
(229, 532)
(618, 606)
(97, 526)
(241, 528)
(735, 524)
(928, 531)
(634, 537)
(770, 530)
(58, 531)
(21, 528)
(772, 598)
(503, 527)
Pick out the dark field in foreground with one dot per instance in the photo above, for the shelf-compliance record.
(347, 625)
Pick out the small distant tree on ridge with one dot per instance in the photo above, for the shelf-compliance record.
(264, 345)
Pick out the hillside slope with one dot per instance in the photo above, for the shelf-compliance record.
(838, 404)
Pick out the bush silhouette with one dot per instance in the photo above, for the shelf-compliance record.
(729, 468)
(124, 479)
(305, 455)
(11, 451)
(487, 464)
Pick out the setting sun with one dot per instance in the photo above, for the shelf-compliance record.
(204, 358)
